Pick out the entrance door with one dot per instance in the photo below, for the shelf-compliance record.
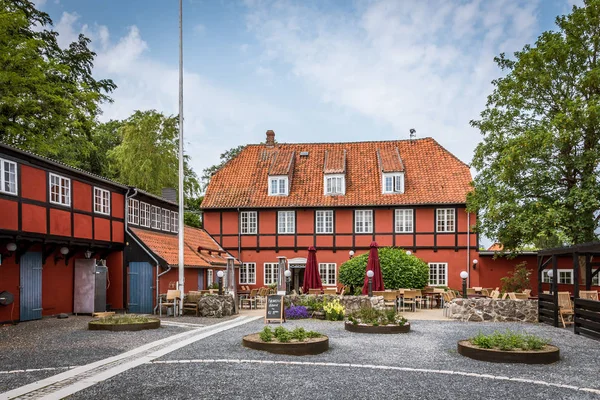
(140, 287)
(31, 286)
(297, 276)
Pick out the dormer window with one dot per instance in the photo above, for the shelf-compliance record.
(335, 185)
(278, 186)
(393, 182)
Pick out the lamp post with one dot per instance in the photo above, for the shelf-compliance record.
(551, 276)
(370, 276)
(475, 261)
(464, 275)
(287, 274)
(220, 276)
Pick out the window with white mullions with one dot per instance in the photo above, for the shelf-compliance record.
(278, 186)
(248, 274)
(324, 221)
(564, 276)
(166, 220)
(156, 217)
(393, 182)
(363, 221)
(174, 222)
(404, 220)
(209, 277)
(145, 214)
(8, 177)
(248, 222)
(286, 222)
(335, 184)
(101, 201)
(445, 220)
(271, 271)
(133, 211)
(327, 272)
(60, 190)
(438, 274)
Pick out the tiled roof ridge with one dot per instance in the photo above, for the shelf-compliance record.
(278, 144)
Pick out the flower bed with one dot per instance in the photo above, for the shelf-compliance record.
(509, 347)
(296, 342)
(119, 323)
(370, 320)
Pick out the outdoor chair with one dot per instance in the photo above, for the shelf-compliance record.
(527, 292)
(251, 299)
(446, 301)
(504, 296)
(173, 297)
(390, 300)
(588, 294)
(409, 298)
(513, 296)
(484, 292)
(470, 291)
(565, 307)
(330, 291)
(261, 297)
(190, 301)
(522, 296)
(495, 295)
(378, 292)
(420, 299)
(314, 291)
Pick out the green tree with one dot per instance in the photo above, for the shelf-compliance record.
(49, 100)
(538, 165)
(209, 172)
(147, 156)
(192, 213)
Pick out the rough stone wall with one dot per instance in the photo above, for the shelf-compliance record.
(350, 303)
(488, 310)
(216, 306)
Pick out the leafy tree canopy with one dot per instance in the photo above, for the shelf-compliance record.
(538, 164)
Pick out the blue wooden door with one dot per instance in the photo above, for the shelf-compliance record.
(140, 288)
(31, 286)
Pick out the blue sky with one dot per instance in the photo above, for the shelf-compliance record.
(311, 71)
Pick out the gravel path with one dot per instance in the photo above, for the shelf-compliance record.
(431, 345)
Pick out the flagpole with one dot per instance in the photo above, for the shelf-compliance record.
(181, 206)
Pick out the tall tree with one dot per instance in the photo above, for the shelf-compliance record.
(538, 165)
(147, 156)
(49, 100)
(209, 172)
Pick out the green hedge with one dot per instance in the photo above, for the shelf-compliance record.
(398, 268)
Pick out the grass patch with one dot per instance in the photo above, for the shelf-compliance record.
(508, 341)
(126, 319)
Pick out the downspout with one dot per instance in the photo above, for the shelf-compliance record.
(469, 248)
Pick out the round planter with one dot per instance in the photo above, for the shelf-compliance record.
(310, 347)
(547, 355)
(153, 324)
(388, 329)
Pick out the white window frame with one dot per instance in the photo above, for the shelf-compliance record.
(327, 271)
(443, 218)
(249, 222)
(279, 185)
(396, 180)
(289, 222)
(322, 219)
(156, 217)
(334, 184)
(209, 277)
(166, 220)
(596, 280)
(4, 172)
(437, 265)
(363, 221)
(101, 201)
(404, 220)
(64, 184)
(271, 270)
(546, 278)
(133, 211)
(145, 214)
(248, 274)
(174, 221)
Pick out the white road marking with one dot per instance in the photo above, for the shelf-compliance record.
(393, 368)
(17, 371)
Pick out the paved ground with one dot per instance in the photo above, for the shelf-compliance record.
(420, 365)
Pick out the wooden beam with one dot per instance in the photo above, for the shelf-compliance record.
(47, 251)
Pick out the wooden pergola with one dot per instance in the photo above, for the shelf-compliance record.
(587, 312)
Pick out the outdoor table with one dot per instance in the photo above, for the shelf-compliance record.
(433, 296)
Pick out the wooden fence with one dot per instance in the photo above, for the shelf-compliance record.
(587, 318)
(547, 309)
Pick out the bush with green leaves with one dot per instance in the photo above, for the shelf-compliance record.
(399, 270)
(517, 280)
(508, 341)
(283, 335)
(371, 316)
(266, 335)
(334, 310)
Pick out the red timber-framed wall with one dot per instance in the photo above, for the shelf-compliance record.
(31, 220)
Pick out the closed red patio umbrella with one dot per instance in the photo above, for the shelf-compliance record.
(373, 265)
(312, 278)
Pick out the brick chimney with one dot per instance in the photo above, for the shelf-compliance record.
(270, 138)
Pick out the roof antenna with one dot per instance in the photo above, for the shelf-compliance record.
(413, 134)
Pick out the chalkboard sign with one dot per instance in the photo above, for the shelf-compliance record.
(274, 309)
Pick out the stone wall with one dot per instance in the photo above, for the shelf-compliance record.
(488, 310)
(350, 303)
(215, 306)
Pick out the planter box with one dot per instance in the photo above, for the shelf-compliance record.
(154, 324)
(310, 347)
(386, 329)
(548, 355)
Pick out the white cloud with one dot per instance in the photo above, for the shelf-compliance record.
(199, 29)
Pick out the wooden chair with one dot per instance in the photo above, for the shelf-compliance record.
(588, 294)
(495, 295)
(314, 291)
(332, 291)
(485, 292)
(504, 296)
(378, 292)
(527, 292)
(190, 301)
(446, 301)
(251, 299)
(522, 296)
(470, 291)
(409, 298)
(390, 299)
(261, 297)
(513, 296)
(172, 300)
(565, 307)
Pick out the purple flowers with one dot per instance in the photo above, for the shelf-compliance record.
(296, 312)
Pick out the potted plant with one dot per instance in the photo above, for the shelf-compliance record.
(296, 342)
(371, 320)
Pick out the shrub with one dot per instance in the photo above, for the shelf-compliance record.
(299, 334)
(284, 336)
(399, 270)
(266, 335)
(509, 341)
(517, 280)
(334, 310)
(313, 334)
(296, 312)
(371, 316)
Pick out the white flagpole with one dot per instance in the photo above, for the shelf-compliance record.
(181, 206)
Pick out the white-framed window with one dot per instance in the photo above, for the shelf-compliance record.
(133, 211)
(156, 217)
(404, 220)
(363, 221)
(286, 222)
(145, 215)
(324, 221)
(327, 272)
(271, 270)
(596, 280)
(101, 201)
(166, 220)
(209, 277)
(248, 274)
(248, 222)
(438, 274)
(444, 219)
(8, 176)
(392, 182)
(278, 186)
(334, 184)
(564, 276)
(174, 222)
(60, 190)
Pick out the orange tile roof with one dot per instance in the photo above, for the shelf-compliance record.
(335, 161)
(389, 160)
(197, 245)
(496, 247)
(282, 162)
(432, 176)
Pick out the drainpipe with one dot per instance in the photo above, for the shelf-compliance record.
(469, 248)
